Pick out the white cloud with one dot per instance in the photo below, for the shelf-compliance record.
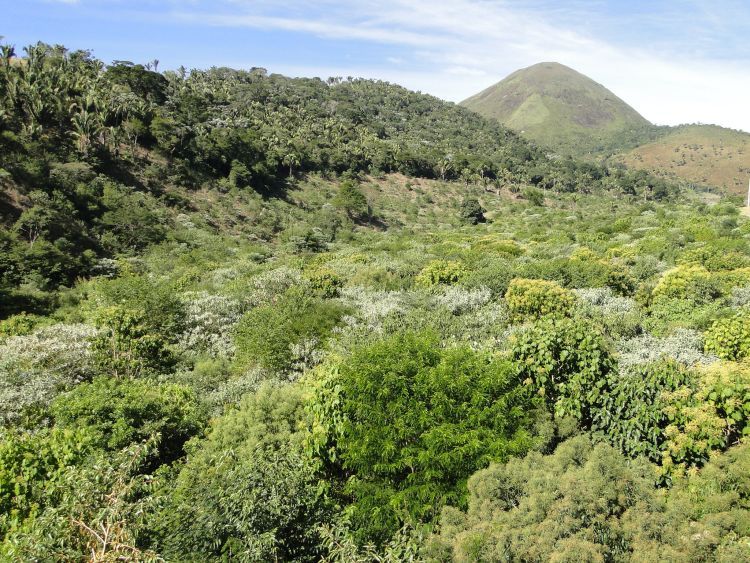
(481, 41)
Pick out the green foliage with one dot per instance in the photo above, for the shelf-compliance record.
(726, 386)
(440, 272)
(729, 338)
(471, 211)
(587, 502)
(118, 413)
(166, 312)
(351, 200)
(631, 413)
(247, 491)
(125, 347)
(180, 212)
(415, 421)
(19, 325)
(325, 282)
(567, 361)
(94, 510)
(534, 299)
(266, 335)
(30, 465)
(132, 220)
(687, 282)
(534, 196)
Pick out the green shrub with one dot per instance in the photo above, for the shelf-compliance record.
(125, 347)
(688, 282)
(247, 491)
(19, 325)
(729, 338)
(470, 211)
(534, 196)
(726, 385)
(87, 507)
(440, 272)
(587, 502)
(630, 412)
(166, 312)
(266, 334)
(533, 299)
(567, 361)
(119, 413)
(325, 282)
(29, 466)
(408, 422)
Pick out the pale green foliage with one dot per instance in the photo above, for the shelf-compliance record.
(209, 322)
(587, 502)
(36, 367)
(683, 345)
(740, 297)
(730, 338)
(533, 299)
(460, 301)
(440, 272)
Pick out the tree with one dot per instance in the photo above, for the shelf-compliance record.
(410, 422)
(471, 211)
(351, 200)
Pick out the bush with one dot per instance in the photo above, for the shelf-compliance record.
(534, 196)
(471, 211)
(587, 502)
(166, 312)
(209, 324)
(567, 361)
(325, 282)
(440, 272)
(93, 506)
(266, 336)
(35, 368)
(688, 282)
(19, 325)
(124, 346)
(729, 338)
(408, 423)
(727, 387)
(247, 491)
(533, 299)
(29, 466)
(120, 413)
(630, 414)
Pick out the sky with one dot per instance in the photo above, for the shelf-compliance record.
(674, 61)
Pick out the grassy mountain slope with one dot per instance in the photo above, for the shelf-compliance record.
(702, 154)
(559, 107)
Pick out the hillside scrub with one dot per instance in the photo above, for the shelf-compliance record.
(307, 344)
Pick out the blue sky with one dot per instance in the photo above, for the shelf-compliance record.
(675, 61)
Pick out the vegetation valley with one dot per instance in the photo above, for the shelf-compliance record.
(245, 317)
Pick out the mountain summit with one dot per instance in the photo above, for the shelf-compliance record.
(557, 106)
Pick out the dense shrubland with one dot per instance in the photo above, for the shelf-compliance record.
(252, 318)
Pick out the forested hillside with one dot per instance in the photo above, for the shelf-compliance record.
(253, 318)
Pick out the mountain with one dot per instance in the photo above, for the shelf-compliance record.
(556, 106)
(701, 154)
